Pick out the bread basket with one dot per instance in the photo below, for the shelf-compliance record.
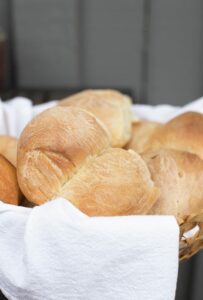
(191, 226)
(53, 215)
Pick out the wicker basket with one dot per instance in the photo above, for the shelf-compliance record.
(191, 235)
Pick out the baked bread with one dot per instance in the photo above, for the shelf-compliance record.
(65, 151)
(141, 133)
(179, 177)
(184, 132)
(9, 190)
(8, 148)
(109, 106)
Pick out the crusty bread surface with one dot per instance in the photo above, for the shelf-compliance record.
(141, 133)
(179, 177)
(9, 189)
(110, 107)
(8, 148)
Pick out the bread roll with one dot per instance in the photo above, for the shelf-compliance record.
(109, 106)
(65, 151)
(141, 133)
(9, 190)
(179, 177)
(185, 133)
(8, 148)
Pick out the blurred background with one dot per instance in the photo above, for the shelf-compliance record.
(152, 50)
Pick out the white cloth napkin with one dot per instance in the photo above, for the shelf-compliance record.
(56, 252)
(163, 113)
(16, 113)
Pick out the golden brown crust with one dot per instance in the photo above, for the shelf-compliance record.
(185, 133)
(141, 133)
(9, 190)
(8, 148)
(109, 106)
(66, 152)
(53, 146)
(179, 176)
(117, 182)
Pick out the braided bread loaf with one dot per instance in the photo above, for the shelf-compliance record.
(66, 151)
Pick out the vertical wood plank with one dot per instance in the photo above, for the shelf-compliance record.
(112, 36)
(176, 47)
(5, 28)
(46, 40)
(3, 15)
(196, 287)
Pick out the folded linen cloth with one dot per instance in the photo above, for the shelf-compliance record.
(56, 252)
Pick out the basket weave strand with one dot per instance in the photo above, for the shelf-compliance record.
(191, 245)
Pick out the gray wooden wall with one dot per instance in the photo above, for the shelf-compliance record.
(175, 51)
(155, 48)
